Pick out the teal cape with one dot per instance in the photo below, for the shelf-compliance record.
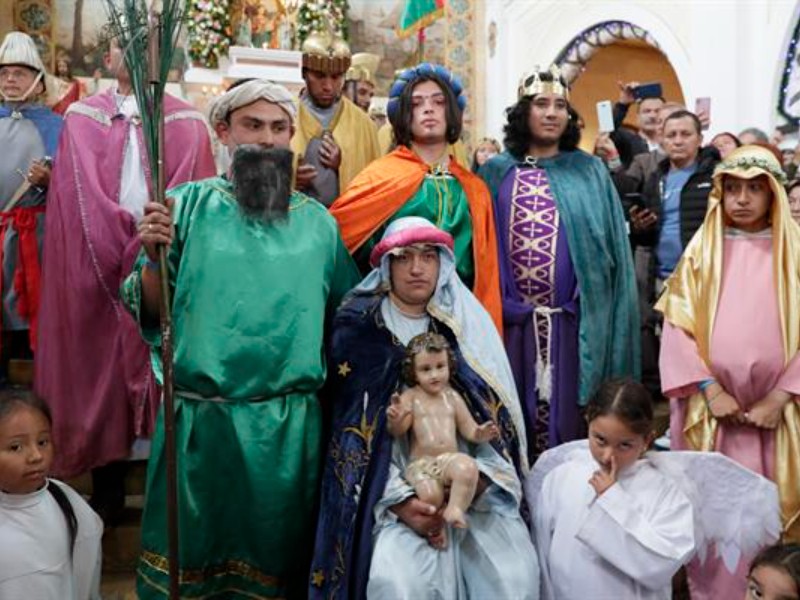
(250, 302)
(591, 212)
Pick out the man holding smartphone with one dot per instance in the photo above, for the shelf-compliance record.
(648, 101)
(674, 202)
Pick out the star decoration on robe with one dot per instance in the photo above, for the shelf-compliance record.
(318, 577)
(344, 369)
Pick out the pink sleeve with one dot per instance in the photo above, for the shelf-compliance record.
(790, 379)
(680, 363)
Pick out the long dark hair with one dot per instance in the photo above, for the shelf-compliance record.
(401, 118)
(626, 399)
(11, 400)
(785, 558)
(517, 132)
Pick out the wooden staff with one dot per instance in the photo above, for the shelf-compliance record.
(160, 186)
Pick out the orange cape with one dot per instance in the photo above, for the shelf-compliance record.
(387, 183)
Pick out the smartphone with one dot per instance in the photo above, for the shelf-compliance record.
(702, 108)
(648, 90)
(605, 117)
(633, 199)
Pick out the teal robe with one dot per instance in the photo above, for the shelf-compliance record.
(591, 212)
(249, 309)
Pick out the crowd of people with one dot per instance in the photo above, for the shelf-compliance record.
(398, 374)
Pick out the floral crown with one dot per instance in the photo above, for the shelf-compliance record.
(744, 162)
(411, 75)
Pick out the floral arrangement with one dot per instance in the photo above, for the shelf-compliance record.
(318, 15)
(209, 31)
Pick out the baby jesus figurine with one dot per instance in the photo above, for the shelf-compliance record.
(435, 412)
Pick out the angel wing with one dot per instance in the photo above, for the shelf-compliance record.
(735, 508)
(548, 461)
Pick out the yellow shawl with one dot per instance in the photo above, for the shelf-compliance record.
(690, 300)
(353, 131)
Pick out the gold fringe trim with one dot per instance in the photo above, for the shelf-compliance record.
(197, 576)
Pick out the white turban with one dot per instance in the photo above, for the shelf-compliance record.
(247, 93)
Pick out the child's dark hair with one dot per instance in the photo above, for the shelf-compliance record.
(425, 342)
(785, 557)
(626, 399)
(12, 400)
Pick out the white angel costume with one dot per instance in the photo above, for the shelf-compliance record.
(36, 560)
(630, 541)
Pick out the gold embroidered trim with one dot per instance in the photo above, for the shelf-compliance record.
(195, 576)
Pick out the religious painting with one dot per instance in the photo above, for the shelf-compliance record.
(372, 29)
(263, 24)
(34, 17)
(79, 34)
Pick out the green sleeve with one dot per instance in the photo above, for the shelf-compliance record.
(131, 294)
(131, 288)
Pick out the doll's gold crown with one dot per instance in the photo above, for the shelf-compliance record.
(532, 83)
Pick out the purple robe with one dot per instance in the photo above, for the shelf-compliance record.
(92, 365)
(536, 271)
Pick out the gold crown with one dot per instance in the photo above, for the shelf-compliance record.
(532, 84)
(326, 52)
(362, 67)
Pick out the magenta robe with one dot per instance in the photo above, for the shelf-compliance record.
(747, 359)
(91, 364)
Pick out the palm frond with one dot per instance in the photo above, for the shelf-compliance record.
(148, 36)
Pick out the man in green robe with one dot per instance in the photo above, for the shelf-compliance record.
(254, 270)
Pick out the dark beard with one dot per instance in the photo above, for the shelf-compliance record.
(262, 181)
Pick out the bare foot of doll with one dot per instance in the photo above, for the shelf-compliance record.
(455, 517)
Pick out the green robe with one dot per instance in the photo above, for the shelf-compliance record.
(249, 307)
(442, 201)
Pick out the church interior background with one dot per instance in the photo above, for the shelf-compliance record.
(747, 62)
(489, 44)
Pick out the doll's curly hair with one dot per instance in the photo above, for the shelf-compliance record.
(426, 342)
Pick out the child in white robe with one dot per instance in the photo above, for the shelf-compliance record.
(49, 537)
(608, 524)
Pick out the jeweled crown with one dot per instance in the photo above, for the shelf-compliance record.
(532, 83)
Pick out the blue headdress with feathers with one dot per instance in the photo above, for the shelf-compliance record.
(412, 74)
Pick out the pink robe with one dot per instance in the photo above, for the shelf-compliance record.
(747, 359)
(92, 365)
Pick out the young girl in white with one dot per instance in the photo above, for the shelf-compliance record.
(49, 537)
(608, 524)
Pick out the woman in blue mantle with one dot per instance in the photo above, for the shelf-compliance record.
(375, 539)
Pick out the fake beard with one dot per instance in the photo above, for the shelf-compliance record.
(262, 181)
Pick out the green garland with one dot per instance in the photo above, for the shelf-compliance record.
(314, 15)
(209, 30)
